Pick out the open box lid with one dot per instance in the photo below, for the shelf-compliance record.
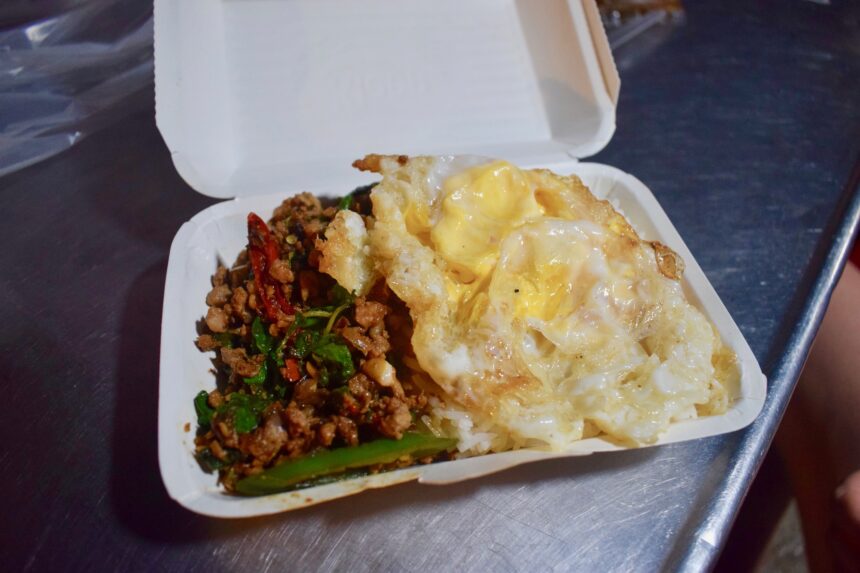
(265, 96)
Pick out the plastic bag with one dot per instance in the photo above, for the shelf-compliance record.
(85, 64)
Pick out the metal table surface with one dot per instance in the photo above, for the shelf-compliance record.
(744, 122)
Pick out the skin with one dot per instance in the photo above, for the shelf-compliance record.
(819, 438)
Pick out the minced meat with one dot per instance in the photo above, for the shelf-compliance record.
(302, 365)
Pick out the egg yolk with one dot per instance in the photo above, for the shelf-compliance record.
(480, 207)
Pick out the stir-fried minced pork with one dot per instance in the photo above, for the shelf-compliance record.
(303, 364)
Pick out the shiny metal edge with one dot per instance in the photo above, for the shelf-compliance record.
(698, 551)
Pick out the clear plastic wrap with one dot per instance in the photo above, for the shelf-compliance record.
(79, 65)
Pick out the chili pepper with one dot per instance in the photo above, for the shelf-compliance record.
(263, 252)
(329, 462)
(293, 374)
(260, 237)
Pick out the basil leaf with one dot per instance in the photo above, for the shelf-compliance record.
(224, 339)
(311, 322)
(331, 320)
(262, 339)
(323, 377)
(210, 463)
(245, 410)
(344, 203)
(203, 409)
(244, 420)
(305, 341)
(330, 350)
(259, 377)
(278, 353)
(340, 296)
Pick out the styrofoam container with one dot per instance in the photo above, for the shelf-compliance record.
(260, 99)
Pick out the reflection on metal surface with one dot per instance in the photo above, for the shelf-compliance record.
(741, 123)
(825, 269)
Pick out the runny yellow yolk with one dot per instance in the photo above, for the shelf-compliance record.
(480, 207)
(546, 273)
(543, 290)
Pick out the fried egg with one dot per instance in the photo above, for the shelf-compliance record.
(539, 314)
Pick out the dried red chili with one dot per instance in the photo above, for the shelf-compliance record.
(263, 252)
(291, 367)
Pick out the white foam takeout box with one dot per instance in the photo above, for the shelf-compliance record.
(260, 99)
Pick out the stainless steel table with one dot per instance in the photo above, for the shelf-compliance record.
(744, 122)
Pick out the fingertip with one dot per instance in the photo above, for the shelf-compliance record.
(848, 495)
